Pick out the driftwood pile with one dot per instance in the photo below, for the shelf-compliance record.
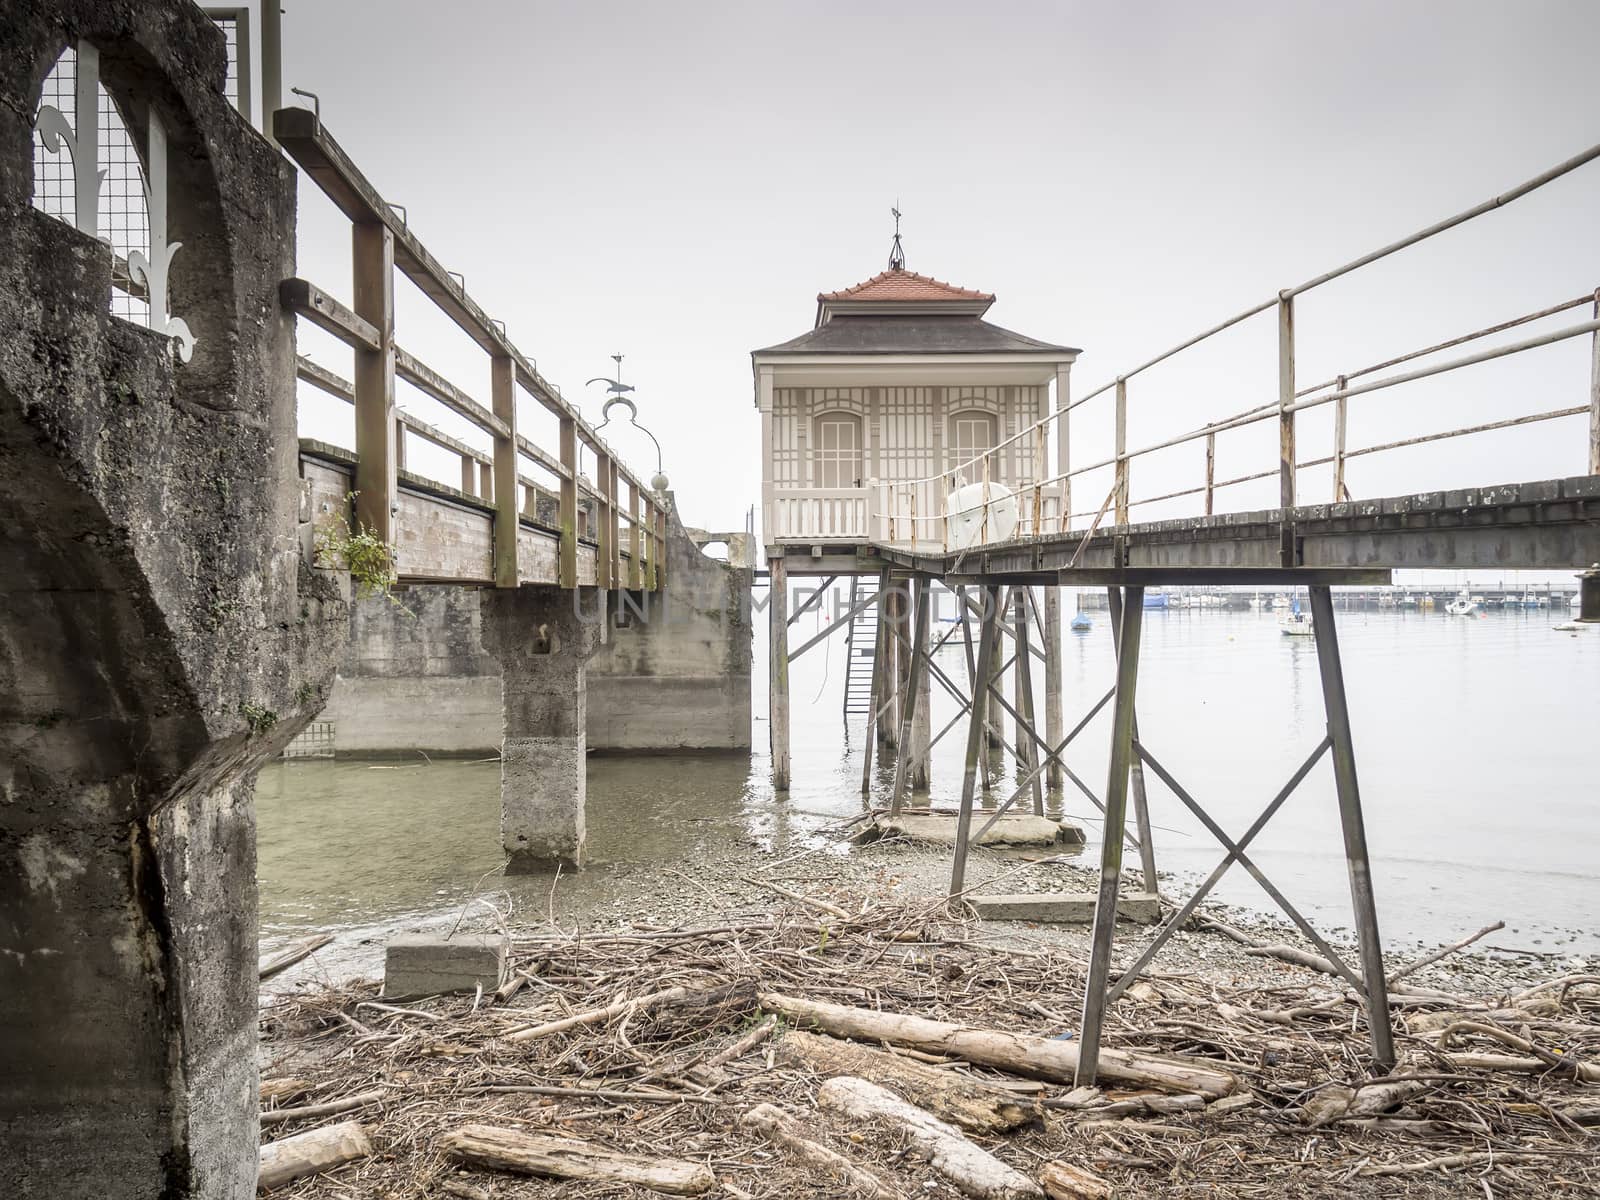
(872, 1050)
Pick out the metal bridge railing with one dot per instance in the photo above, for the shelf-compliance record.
(1044, 506)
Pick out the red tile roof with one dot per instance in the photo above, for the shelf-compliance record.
(905, 285)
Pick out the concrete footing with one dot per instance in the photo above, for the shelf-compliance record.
(542, 643)
(1013, 829)
(1065, 908)
(423, 964)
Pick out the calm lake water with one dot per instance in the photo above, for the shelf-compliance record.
(1476, 742)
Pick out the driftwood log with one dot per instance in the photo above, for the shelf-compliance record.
(787, 1131)
(974, 1171)
(278, 1116)
(311, 1153)
(1063, 1181)
(568, 1158)
(673, 997)
(275, 964)
(1023, 1054)
(276, 1091)
(951, 1095)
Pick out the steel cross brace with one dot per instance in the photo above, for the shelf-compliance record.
(1235, 854)
(842, 623)
(1050, 755)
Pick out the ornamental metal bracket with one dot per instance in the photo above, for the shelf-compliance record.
(618, 398)
(82, 144)
(152, 270)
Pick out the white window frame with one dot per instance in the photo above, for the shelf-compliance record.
(959, 453)
(837, 466)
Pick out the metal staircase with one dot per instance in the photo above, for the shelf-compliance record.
(860, 654)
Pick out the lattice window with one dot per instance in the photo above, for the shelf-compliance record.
(971, 434)
(123, 219)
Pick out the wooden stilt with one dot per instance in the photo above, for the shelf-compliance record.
(778, 675)
(1354, 826)
(892, 696)
(975, 739)
(879, 649)
(1054, 719)
(1105, 909)
(993, 719)
(1027, 752)
(913, 698)
(1141, 805)
(922, 718)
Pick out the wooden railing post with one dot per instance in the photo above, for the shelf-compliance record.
(604, 504)
(635, 541)
(658, 551)
(1287, 424)
(1122, 452)
(1594, 396)
(614, 529)
(1211, 469)
(1339, 412)
(1064, 440)
(567, 564)
(1286, 449)
(372, 261)
(507, 519)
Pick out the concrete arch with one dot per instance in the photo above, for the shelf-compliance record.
(160, 635)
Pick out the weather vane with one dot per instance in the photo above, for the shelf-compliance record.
(897, 256)
(618, 396)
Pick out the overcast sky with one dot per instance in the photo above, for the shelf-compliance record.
(677, 181)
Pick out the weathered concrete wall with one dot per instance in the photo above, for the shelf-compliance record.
(677, 676)
(417, 676)
(159, 634)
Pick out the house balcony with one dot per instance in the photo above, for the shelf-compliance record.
(907, 516)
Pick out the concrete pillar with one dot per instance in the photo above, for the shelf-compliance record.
(543, 637)
(1589, 595)
(1054, 726)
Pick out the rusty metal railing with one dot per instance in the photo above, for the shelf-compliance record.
(1027, 511)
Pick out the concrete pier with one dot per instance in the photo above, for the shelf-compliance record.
(160, 634)
(674, 675)
(543, 638)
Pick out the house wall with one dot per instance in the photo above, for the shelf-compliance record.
(906, 430)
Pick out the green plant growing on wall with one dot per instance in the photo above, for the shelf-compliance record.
(369, 559)
(258, 718)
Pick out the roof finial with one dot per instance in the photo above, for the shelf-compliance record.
(897, 255)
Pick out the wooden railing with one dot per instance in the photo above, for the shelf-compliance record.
(625, 521)
(818, 514)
